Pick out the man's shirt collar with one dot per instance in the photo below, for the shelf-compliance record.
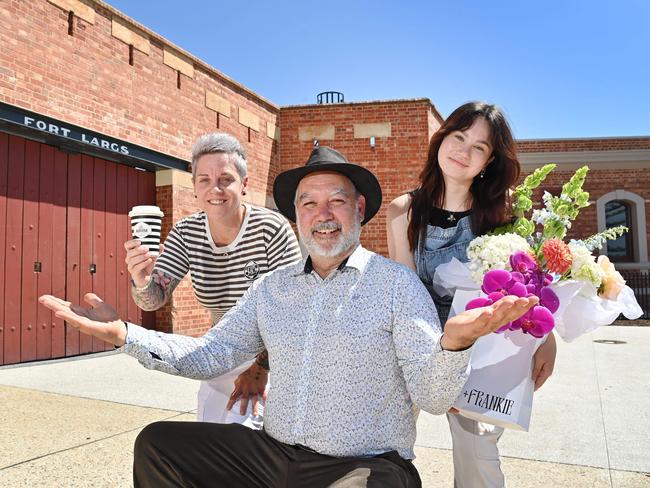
(358, 259)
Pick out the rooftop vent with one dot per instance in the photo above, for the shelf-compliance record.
(330, 97)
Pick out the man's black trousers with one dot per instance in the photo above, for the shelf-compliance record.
(198, 454)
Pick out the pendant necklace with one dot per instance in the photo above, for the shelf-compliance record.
(451, 217)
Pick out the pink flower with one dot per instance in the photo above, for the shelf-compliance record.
(525, 280)
(504, 282)
(478, 302)
(612, 282)
(548, 299)
(538, 322)
(523, 263)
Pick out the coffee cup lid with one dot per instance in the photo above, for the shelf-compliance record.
(146, 210)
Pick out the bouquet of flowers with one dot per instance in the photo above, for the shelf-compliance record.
(530, 257)
(576, 291)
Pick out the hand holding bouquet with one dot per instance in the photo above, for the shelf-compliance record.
(577, 293)
(530, 257)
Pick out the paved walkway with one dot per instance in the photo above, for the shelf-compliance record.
(72, 423)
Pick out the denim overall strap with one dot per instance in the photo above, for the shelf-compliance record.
(437, 246)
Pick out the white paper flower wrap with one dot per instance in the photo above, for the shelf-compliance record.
(581, 309)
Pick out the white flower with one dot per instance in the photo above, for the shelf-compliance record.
(584, 266)
(493, 252)
(540, 216)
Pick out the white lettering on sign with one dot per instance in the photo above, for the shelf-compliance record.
(65, 132)
(51, 128)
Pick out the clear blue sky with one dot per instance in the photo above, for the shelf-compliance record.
(557, 68)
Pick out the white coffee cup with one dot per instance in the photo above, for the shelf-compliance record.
(146, 221)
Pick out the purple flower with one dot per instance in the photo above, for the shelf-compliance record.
(548, 299)
(504, 283)
(523, 263)
(496, 280)
(517, 276)
(478, 302)
(525, 280)
(518, 289)
(537, 280)
(538, 322)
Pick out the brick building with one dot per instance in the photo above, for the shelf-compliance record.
(98, 113)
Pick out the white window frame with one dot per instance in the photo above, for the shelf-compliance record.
(637, 206)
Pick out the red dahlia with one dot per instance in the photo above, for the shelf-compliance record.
(557, 255)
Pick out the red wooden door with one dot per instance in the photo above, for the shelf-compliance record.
(98, 237)
(46, 252)
(73, 244)
(63, 222)
(110, 232)
(4, 163)
(29, 293)
(59, 247)
(13, 248)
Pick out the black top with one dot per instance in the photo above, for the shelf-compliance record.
(442, 218)
(446, 219)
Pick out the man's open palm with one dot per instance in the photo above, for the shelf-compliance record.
(99, 320)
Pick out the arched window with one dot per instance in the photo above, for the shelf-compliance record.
(619, 212)
(622, 207)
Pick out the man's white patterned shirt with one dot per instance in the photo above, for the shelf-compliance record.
(353, 356)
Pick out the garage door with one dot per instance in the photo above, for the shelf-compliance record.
(63, 219)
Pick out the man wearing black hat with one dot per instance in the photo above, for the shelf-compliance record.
(354, 344)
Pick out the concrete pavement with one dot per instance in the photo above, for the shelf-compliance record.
(73, 422)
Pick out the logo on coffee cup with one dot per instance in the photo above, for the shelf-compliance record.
(141, 230)
(251, 270)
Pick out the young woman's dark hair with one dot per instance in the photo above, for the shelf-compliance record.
(490, 194)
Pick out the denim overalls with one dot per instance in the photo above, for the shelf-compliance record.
(438, 248)
(476, 456)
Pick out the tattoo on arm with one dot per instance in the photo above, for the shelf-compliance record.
(262, 360)
(156, 293)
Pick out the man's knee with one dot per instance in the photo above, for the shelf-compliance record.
(384, 473)
(150, 438)
(357, 478)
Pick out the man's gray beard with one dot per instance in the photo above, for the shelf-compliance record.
(346, 241)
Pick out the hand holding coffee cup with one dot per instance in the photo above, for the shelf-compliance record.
(139, 262)
(142, 251)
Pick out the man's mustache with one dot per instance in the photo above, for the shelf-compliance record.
(325, 226)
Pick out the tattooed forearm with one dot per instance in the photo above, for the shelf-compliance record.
(156, 293)
(262, 360)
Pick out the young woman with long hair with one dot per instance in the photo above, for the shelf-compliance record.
(463, 192)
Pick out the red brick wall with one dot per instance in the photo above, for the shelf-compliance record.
(435, 121)
(599, 183)
(396, 160)
(183, 314)
(86, 79)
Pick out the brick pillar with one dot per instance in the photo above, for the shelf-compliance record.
(183, 314)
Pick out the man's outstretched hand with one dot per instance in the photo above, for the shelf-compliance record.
(100, 320)
(462, 330)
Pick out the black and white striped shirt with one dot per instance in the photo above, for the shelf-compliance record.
(221, 275)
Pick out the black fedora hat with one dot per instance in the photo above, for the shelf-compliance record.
(325, 158)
